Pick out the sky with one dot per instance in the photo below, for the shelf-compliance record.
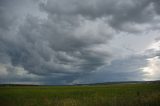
(79, 41)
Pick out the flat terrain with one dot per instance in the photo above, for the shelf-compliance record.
(95, 95)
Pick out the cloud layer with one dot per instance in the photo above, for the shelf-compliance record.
(65, 42)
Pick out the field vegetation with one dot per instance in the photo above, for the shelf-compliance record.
(85, 95)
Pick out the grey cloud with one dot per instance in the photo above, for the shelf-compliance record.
(6, 19)
(119, 12)
(127, 69)
(65, 47)
(156, 4)
(55, 49)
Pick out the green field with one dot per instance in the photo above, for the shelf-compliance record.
(97, 95)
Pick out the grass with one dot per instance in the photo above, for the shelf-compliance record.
(97, 95)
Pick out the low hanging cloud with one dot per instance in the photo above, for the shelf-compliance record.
(69, 39)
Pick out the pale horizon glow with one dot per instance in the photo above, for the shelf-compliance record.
(152, 70)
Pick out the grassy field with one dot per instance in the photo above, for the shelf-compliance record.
(98, 95)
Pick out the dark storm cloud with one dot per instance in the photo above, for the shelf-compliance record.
(119, 12)
(55, 48)
(66, 45)
(127, 69)
(156, 6)
(44, 50)
(5, 19)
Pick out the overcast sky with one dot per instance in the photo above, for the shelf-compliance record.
(79, 41)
